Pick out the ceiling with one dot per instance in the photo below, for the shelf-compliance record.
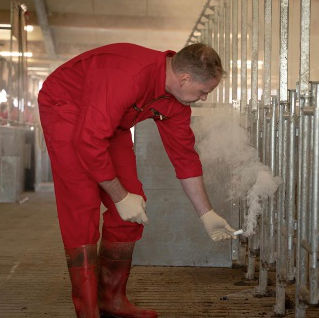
(80, 25)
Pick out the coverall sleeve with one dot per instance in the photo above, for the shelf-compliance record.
(179, 141)
(109, 95)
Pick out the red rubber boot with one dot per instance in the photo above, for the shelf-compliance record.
(82, 269)
(115, 265)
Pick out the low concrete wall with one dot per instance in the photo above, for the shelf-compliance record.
(174, 235)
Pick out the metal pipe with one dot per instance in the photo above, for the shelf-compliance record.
(280, 308)
(210, 30)
(313, 258)
(304, 46)
(221, 14)
(227, 49)
(303, 191)
(283, 55)
(254, 54)
(267, 52)
(243, 58)
(261, 289)
(264, 249)
(42, 15)
(301, 255)
(234, 49)
(282, 235)
(273, 166)
(291, 201)
(215, 31)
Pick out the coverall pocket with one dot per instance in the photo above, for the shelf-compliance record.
(66, 121)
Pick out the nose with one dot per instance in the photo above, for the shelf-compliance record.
(203, 97)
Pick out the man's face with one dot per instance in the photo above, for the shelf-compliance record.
(191, 90)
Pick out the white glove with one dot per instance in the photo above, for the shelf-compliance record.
(132, 208)
(217, 227)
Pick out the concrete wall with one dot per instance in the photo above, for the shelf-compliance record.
(174, 235)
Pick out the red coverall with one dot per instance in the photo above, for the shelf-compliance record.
(87, 107)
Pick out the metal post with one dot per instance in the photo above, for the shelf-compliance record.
(216, 48)
(267, 53)
(221, 13)
(313, 262)
(206, 35)
(304, 46)
(243, 58)
(263, 269)
(272, 201)
(210, 30)
(283, 97)
(227, 49)
(281, 227)
(301, 255)
(254, 54)
(291, 201)
(234, 49)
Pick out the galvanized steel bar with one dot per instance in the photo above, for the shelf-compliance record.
(313, 262)
(227, 50)
(263, 135)
(243, 57)
(234, 49)
(264, 249)
(280, 308)
(302, 254)
(304, 72)
(303, 204)
(283, 55)
(300, 307)
(291, 185)
(221, 14)
(216, 47)
(272, 162)
(281, 249)
(254, 54)
(210, 30)
(267, 52)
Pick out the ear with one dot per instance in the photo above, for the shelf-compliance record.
(184, 78)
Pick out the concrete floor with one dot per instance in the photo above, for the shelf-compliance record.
(34, 280)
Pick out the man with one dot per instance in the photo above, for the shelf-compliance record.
(87, 107)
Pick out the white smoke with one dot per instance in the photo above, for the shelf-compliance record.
(221, 139)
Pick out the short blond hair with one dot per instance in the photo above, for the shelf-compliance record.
(199, 60)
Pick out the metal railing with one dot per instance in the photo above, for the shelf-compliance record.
(284, 129)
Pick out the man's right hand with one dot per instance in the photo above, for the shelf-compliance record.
(216, 227)
(132, 208)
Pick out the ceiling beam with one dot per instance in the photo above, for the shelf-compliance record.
(46, 30)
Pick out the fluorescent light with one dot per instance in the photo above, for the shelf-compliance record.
(38, 68)
(15, 54)
(3, 96)
(29, 28)
(15, 102)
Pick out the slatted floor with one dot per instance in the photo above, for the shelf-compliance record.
(34, 282)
